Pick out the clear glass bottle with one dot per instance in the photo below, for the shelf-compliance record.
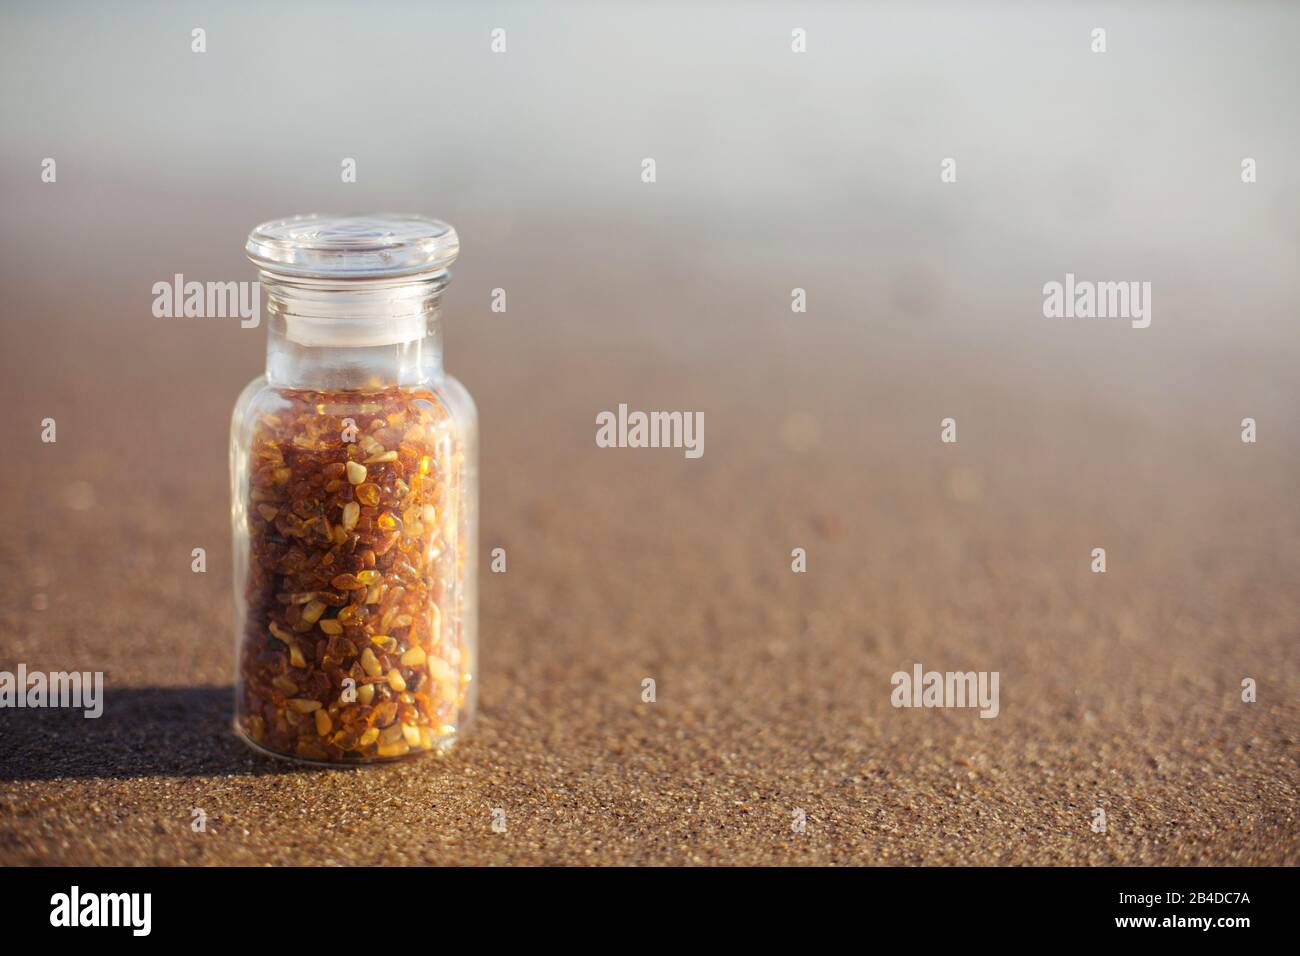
(354, 499)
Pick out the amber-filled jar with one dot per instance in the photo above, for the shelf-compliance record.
(354, 499)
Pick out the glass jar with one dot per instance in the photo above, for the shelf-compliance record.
(354, 499)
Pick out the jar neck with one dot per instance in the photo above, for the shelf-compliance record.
(352, 335)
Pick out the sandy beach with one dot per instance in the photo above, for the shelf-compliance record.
(1120, 691)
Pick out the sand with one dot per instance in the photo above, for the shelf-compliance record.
(1119, 691)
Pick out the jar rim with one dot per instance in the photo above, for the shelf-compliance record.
(375, 246)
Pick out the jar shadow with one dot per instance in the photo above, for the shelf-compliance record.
(143, 732)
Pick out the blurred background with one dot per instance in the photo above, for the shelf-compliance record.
(775, 170)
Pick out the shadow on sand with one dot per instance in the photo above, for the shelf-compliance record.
(143, 732)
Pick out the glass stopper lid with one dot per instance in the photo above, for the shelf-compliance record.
(353, 247)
